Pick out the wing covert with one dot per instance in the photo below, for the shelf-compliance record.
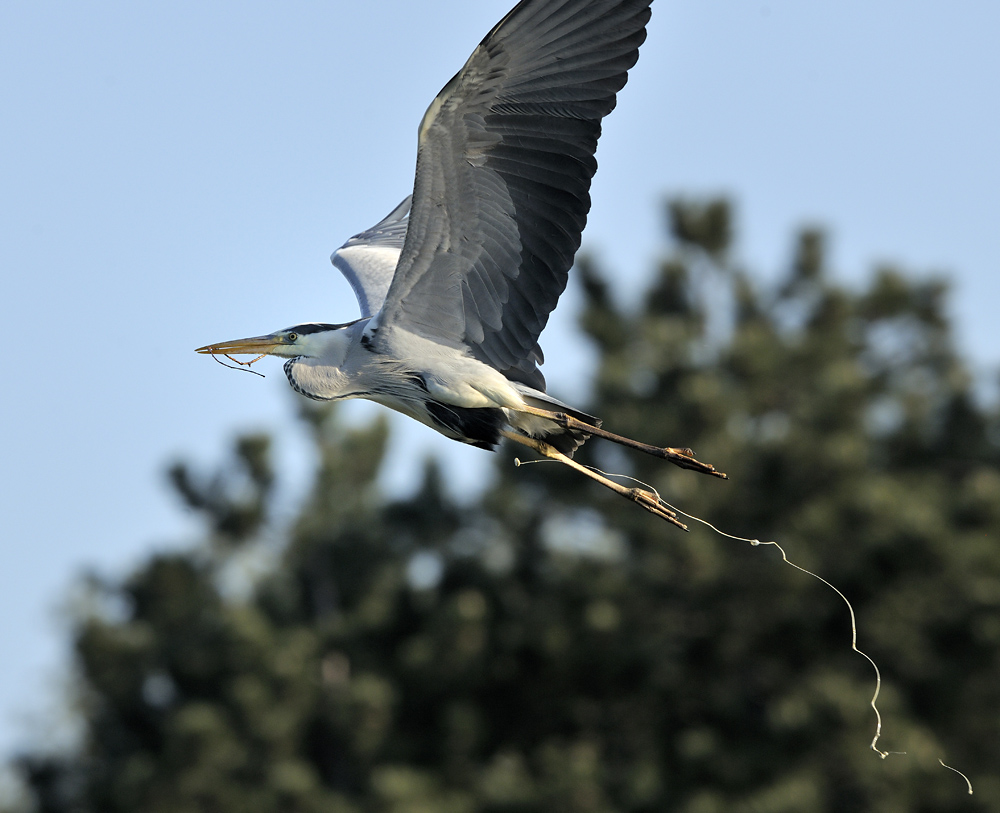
(368, 259)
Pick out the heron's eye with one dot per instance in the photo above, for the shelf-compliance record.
(292, 337)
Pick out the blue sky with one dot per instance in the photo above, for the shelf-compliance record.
(178, 173)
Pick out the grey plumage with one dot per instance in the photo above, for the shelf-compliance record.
(502, 188)
(457, 282)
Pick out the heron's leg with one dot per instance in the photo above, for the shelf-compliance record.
(647, 499)
(679, 457)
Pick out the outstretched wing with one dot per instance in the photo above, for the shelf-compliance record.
(502, 189)
(368, 260)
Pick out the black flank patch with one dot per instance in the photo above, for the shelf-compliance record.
(478, 427)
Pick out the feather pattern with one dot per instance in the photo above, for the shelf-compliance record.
(502, 189)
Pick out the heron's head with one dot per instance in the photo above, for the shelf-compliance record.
(309, 340)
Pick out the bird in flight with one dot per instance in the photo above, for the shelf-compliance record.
(457, 282)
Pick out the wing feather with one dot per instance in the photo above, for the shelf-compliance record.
(502, 189)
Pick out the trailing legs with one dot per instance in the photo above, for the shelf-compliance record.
(679, 457)
(647, 499)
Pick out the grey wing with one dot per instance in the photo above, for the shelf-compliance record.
(502, 188)
(368, 260)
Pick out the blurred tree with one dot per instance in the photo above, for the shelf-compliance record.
(554, 648)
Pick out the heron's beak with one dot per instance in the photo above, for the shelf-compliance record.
(257, 346)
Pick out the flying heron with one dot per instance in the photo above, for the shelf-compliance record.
(457, 282)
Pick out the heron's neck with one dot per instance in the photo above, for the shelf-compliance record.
(324, 371)
(330, 348)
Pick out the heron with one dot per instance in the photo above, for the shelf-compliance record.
(457, 282)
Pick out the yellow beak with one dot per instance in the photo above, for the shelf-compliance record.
(256, 346)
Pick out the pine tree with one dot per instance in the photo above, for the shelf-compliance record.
(554, 648)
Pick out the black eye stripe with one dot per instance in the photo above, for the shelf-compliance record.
(320, 327)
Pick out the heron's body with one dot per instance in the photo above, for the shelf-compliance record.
(458, 281)
(442, 387)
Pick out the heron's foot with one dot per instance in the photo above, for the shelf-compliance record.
(686, 460)
(652, 503)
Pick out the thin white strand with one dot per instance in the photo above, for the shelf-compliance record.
(967, 782)
(854, 640)
(786, 560)
(854, 627)
(850, 609)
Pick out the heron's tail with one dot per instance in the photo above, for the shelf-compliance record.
(558, 436)
(568, 441)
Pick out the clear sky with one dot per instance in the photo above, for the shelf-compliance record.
(173, 174)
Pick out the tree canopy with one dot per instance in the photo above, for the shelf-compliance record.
(552, 647)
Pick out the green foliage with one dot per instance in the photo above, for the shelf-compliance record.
(554, 648)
